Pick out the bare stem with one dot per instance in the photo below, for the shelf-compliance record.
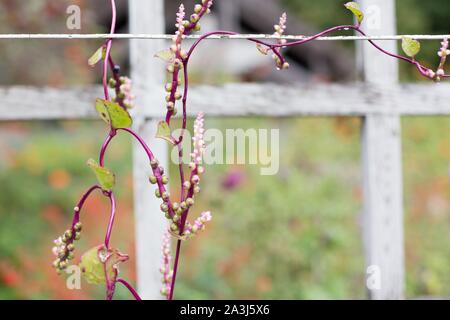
(111, 219)
(175, 269)
(77, 210)
(130, 288)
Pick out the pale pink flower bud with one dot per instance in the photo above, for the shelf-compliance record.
(180, 16)
(166, 265)
(198, 141)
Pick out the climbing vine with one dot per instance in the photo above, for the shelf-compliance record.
(100, 265)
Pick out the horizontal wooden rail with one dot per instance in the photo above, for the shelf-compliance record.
(30, 103)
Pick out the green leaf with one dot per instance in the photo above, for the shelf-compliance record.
(163, 132)
(165, 55)
(113, 114)
(97, 56)
(105, 177)
(94, 261)
(356, 10)
(410, 46)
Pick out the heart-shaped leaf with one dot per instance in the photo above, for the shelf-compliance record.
(165, 55)
(97, 56)
(163, 132)
(356, 10)
(98, 259)
(410, 46)
(105, 177)
(113, 114)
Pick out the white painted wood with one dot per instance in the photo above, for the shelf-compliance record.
(147, 73)
(229, 15)
(381, 154)
(31, 103)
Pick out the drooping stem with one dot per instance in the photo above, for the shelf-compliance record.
(105, 145)
(156, 171)
(142, 142)
(130, 288)
(77, 210)
(175, 269)
(111, 218)
(422, 69)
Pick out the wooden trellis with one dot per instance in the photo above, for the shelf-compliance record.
(380, 101)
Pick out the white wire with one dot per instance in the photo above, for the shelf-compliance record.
(239, 36)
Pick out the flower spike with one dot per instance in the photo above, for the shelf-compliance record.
(166, 270)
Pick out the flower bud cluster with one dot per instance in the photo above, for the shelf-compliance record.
(198, 225)
(166, 271)
(123, 88)
(193, 185)
(176, 63)
(198, 142)
(64, 247)
(173, 210)
(160, 179)
(442, 53)
(280, 28)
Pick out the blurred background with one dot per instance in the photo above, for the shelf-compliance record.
(295, 235)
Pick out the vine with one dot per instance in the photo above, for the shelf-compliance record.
(100, 265)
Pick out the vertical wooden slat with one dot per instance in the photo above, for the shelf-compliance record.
(147, 17)
(228, 14)
(381, 154)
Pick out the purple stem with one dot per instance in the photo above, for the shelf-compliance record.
(141, 141)
(76, 216)
(175, 269)
(108, 50)
(220, 32)
(111, 219)
(422, 70)
(130, 288)
(183, 129)
(157, 171)
(110, 285)
(105, 145)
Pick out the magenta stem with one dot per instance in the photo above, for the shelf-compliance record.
(156, 171)
(108, 50)
(77, 211)
(130, 288)
(183, 129)
(141, 141)
(105, 145)
(111, 219)
(76, 216)
(175, 269)
(422, 70)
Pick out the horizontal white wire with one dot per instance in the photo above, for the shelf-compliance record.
(239, 36)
